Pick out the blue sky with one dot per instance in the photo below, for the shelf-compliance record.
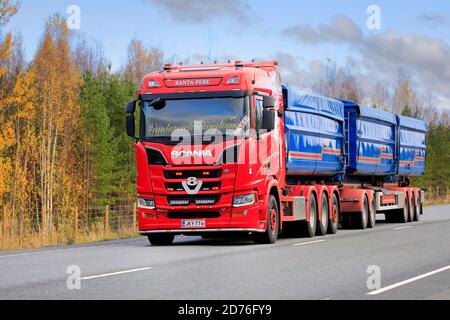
(246, 28)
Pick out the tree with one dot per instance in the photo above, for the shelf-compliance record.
(339, 83)
(141, 61)
(7, 139)
(58, 83)
(7, 10)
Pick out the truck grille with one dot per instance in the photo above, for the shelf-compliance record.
(206, 186)
(197, 200)
(184, 174)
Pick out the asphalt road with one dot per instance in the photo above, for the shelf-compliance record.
(413, 262)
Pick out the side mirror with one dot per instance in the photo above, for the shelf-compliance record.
(268, 120)
(268, 102)
(131, 107)
(130, 123)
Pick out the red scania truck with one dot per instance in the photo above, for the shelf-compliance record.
(226, 148)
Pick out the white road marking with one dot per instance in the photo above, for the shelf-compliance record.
(306, 243)
(402, 283)
(115, 273)
(403, 228)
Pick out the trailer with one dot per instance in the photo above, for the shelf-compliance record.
(281, 160)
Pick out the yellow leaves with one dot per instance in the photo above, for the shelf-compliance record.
(7, 136)
(5, 52)
(7, 10)
(5, 173)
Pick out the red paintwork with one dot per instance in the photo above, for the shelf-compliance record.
(237, 179)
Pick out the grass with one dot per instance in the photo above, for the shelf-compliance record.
(61, 237)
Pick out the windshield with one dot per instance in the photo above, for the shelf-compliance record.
(226, 116)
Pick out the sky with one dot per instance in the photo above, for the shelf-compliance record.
(413, 35)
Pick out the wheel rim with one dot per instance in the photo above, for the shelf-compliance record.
(273, 220)
(334, 215)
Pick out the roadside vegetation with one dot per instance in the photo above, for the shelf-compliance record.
(67, 168)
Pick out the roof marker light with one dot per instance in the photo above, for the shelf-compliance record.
(233, 80)
(153, 84)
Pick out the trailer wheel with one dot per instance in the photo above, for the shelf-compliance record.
(403, 214)
(322, 224)
(335, 214)
(273, 224)
(361, 218)
(416, 208)
(161, 239)
(412, 206)
(419, 209)
(308, 228)
(372, 215)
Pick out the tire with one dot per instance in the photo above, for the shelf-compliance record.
(412, 206)
(372, 215)
(360, 220)
(416, 207)
(161, 239)
(308, 228)
(335, 214)
(403, 214)
(322, 225)
(270, 236)
(419, 209)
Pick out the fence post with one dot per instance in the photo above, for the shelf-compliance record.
(107, 221)
(75, 222)
(438, 196)
(134, 217)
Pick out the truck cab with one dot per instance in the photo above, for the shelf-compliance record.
(210, 151)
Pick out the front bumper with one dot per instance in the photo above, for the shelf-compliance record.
(244, 219)
(199, 231)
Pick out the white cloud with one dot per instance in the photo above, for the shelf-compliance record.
(425, 59)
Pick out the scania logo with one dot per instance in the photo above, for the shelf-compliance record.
(185, 83)
(191, 154)
(192, 186)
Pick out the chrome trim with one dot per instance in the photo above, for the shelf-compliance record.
(183, 231)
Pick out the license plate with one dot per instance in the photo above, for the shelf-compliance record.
(193, 224)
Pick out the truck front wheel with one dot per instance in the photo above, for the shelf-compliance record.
(273, 224)
(161, 239)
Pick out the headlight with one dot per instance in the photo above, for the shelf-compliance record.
(146, 203)
(245, 200)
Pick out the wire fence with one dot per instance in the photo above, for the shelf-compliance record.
(67, 225)
(436, 195)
